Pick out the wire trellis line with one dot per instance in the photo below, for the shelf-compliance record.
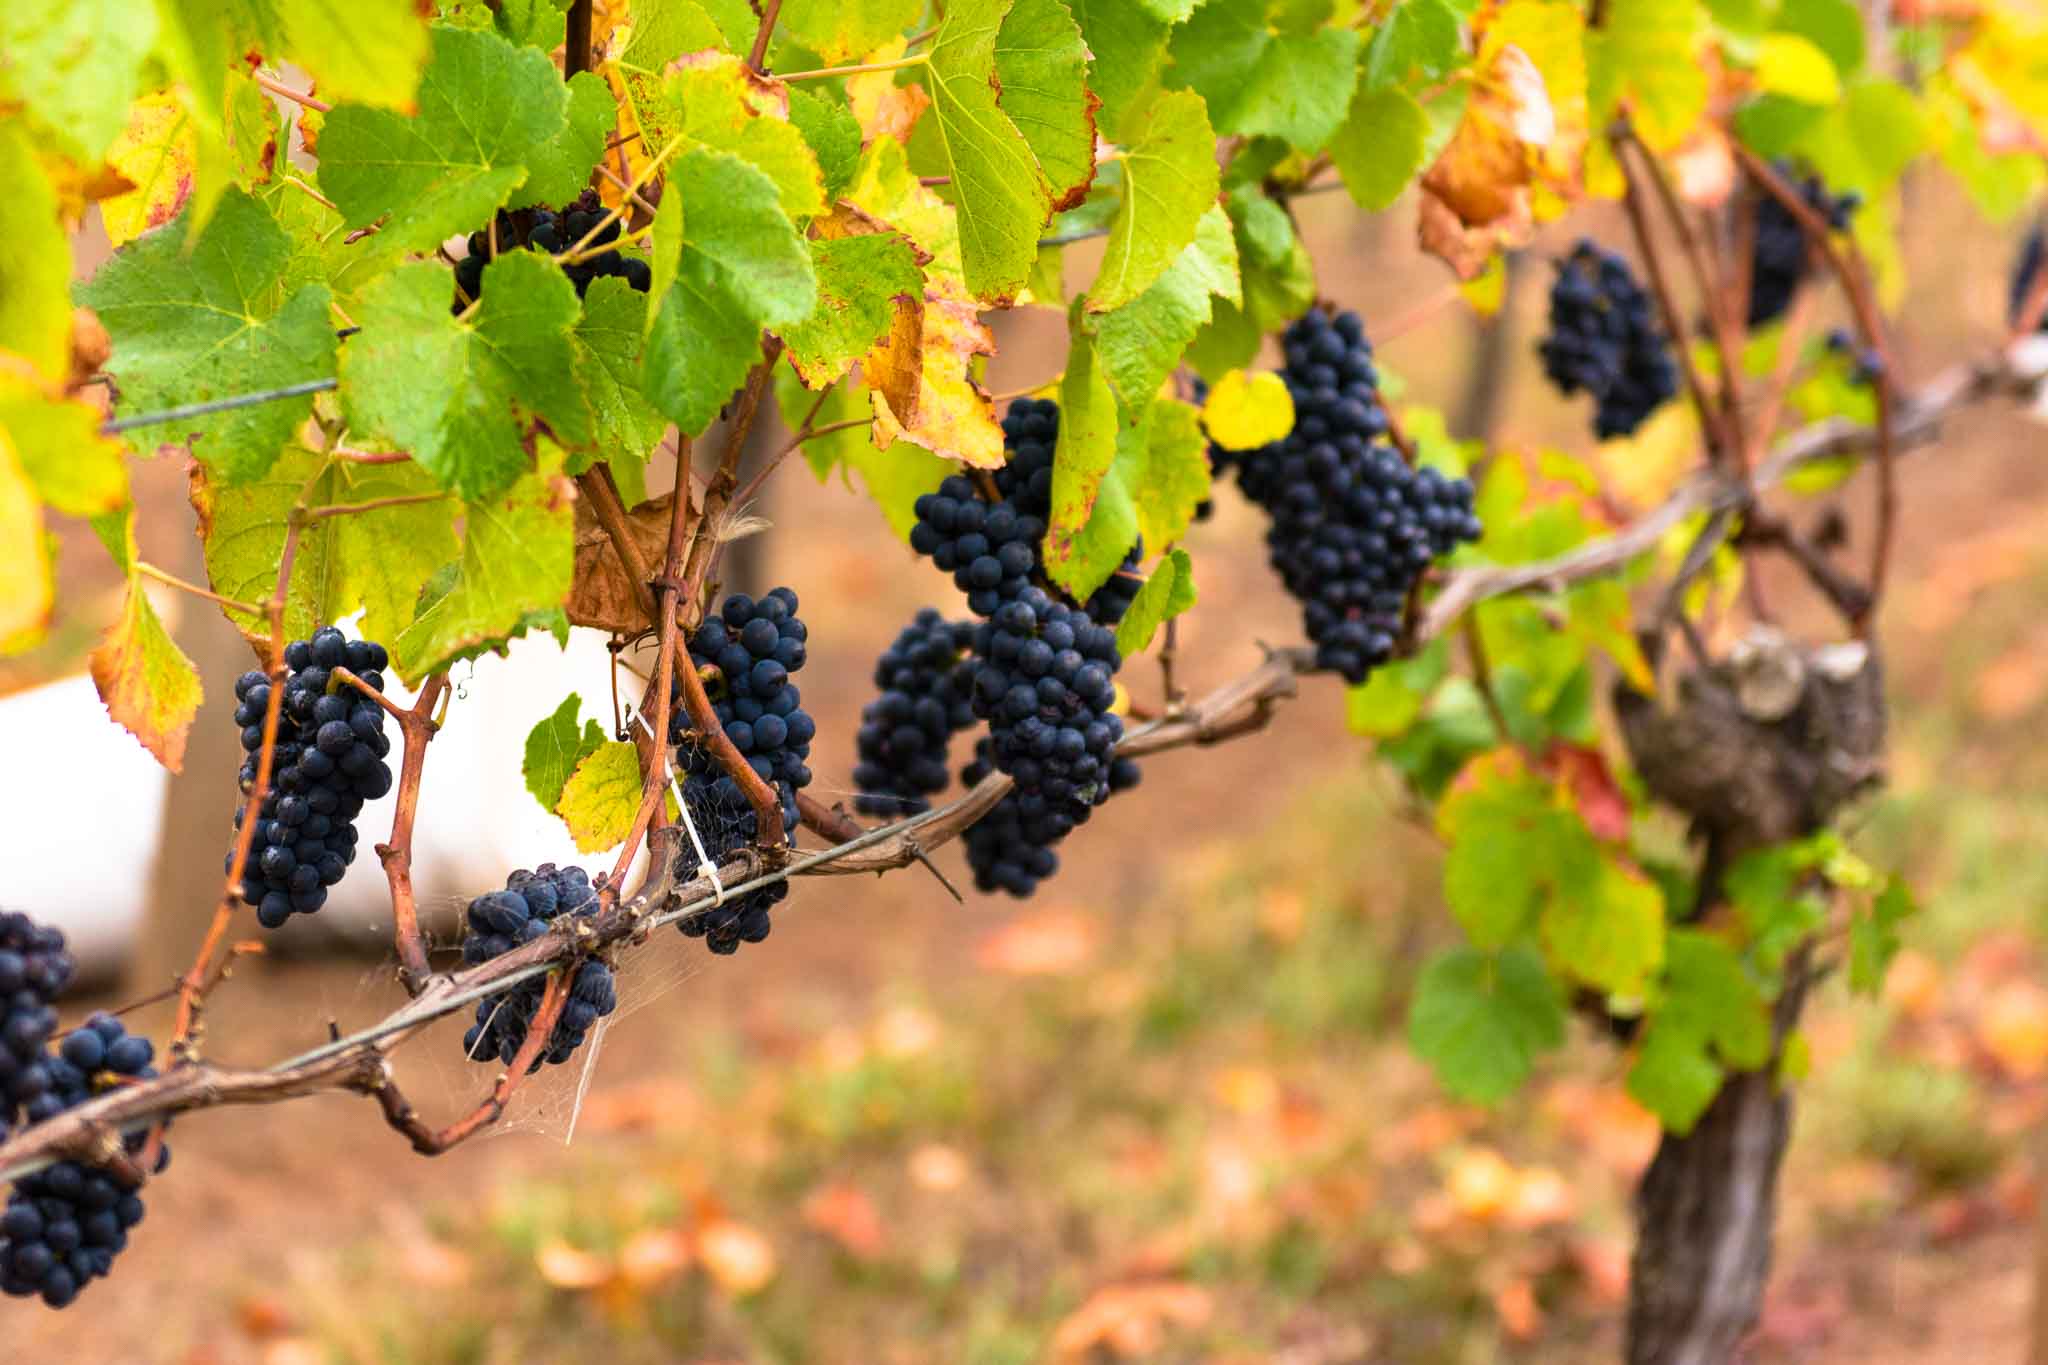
(229, 404)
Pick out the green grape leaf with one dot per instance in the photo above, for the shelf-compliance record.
(859, 280)
(150, 688)
(886, 189)
(1710, 1016)
(1833, 26)
(1512, 850)
(1644, 52)
(35, 261)
(365, 52)
(742, 268)
(556, 173)
(487, 111)
(1166, 594)
(1170, 180)
(1142, 341)
(1002, 195)
(1874, 937)
(27, 584)
(1168, 11)
(530, 23)
(1082, 458)
(833, 134)
(376, 560)
(1292, 86)
(842, 31)
(601, 798)
(1041, 70)
(1419, 37)
(57, 441)
(1164, 461)
(1279, 281)
(517, 566)
(73, 65)
(1392, 697)
(713, 100)
(1609, 935)
(1772, 892)
(607, 342)
(555, 748)
(1480, 1020)
(1230, 341)
(465, 396)
(1127, 47)
(211, 322)
(1380, 147)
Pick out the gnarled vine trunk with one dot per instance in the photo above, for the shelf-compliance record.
(1761, 748)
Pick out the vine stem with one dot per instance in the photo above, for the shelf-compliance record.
(283, 91)
(1863, 303)
(757, 56)
(148, 570)
(576, 39)
(804, 432)
(418, 727)
(862, 69)
(602, 493)
(1717, 437)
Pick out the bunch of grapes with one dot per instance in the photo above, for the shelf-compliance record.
(64, 1225)
(553, 231)
(329, 761)
(1011, 848)
(924, 702)
(2032, 256)
(500, 921)
(1781, 259)
(747, 652)
(1604, 339)
(1353, 526)
(34, 969)
(995, 549)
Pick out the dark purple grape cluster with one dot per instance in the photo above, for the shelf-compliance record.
(553, 231)
(64, 1225)
(34, 969)
(1781, 260)
(1605, 340)
(1011, 848)
(500, 921)
(1352, 525)
(995, 550)
(924, 702)
(2032, 256)
(747, 653)
(329, 761)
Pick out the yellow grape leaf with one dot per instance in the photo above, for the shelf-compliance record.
(951, 414)
(886, 190)
(1477, 195)
(1550, 36)
(1792, 66)
(884, 109)
(601, 797)
(157, 153)
(1244, 412)
(1486, 291)
(56, 442)
(35, 260)
(150, 688)
(26, 587)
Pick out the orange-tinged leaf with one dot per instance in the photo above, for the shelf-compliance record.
(1704, 167)
(1913, 985)
(150, 688)
(2013, 1028)
(1131, 1320)
(567, 1267)
(158, 153)
(653, 1257)
(952, 415)
(737, 1258)
(883, 108)
(1046, 943)
(1593, 789)
(842, 1211)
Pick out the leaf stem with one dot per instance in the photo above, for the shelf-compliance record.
(172, 580)
(343, 509)
(283, 91)
(863, 68)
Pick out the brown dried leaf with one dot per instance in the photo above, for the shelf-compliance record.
(150, 688)
(604, 595)
(842, 1211)
(951, 414)
(883, 108)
